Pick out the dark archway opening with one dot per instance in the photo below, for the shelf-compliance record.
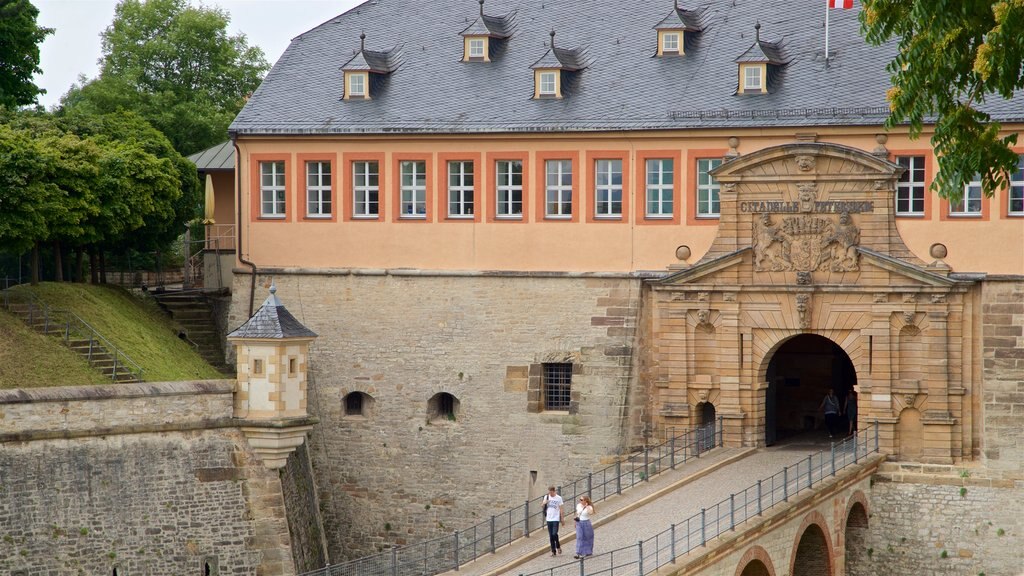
(812, 558)
(755, 568)
(706, 436)
(858, 563)
(799, 375)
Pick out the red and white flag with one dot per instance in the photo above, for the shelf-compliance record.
(842, 4)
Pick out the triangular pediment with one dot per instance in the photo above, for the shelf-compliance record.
(737, 271)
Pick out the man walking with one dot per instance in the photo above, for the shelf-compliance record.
(553, 516)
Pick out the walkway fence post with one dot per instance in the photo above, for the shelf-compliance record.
(590, 483)
(394, 562)
(618, 477)
(640, 555)
(647, 466)
(526, 519)
(732, 512)
(583, 571)
(456, 550)
(759, 497)
(672, 532)
(703, 527)
(833, 458)
(493, 547)
(876, 435)
(785, 483)
(810, 471)
(856, 450)
(672, 452)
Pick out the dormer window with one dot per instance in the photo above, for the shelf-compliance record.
(476, 48)
(554, 68)
(760, 66)
(364, 66)
(547, 84)
(753, 78)
(673, 30)
(356, 85)
(485, 37)
(670, 42)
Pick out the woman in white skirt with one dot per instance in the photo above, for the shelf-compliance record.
(584, 528)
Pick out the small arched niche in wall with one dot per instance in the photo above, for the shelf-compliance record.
(357, 404)
(442, 407)
(210, 566)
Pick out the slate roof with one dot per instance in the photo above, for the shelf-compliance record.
(272, 320)
(376, 61)
(561, 58)
(681, 19)
(763, 51)
(623, 88)
(493, 26)
(215, 158)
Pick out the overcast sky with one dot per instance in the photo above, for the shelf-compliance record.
(74, 47)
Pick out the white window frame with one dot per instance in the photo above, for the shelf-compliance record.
(661, 193)
(605, 188)
(361, 91)
(508, 196)
(752, 78)
(273, 203)
(558, 190)
(910, 193)
(546, 84)
(365, 196)
(1015, 194)
(665, 47)
(460, 189)
(708, 192)
(971, 195)
(412, 176)
(318, 189)
(476, 47)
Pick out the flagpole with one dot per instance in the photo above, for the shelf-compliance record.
(826, 31)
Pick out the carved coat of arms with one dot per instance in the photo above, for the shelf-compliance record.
(805, 243)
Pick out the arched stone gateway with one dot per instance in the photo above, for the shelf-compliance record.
(755, 562)
(808, 284)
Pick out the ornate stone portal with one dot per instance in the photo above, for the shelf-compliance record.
(808, 248)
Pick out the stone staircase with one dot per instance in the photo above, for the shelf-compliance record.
(192, 311)
(75, 333)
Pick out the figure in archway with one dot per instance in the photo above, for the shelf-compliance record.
(850, 409)
(830, 406)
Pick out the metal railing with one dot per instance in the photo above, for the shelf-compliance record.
(42, 317)
(647, 556)
(220, 237)
(451, 551)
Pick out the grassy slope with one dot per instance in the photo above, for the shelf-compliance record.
(135, 325)
(31, 360)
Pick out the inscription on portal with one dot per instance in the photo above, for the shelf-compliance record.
(805, 243)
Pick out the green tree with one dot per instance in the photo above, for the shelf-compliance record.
(19, 52)
(176, 66)
(952, 56)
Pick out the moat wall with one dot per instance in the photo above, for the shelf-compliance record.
(395, 474)
(145, 478)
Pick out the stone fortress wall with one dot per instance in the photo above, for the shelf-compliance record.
(396, 473)
(148, 478)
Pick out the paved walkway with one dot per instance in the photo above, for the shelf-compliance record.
(646, 510)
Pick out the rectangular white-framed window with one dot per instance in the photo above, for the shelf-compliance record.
(670, 42)
(707, 188)
(547, 84)
(365, 189)
(272, 190)
(460, 189)
(1015, 204)
(558, 190)
(476, 47)
(357, 85)
(970, 203)
(413, 174)
(608, 189)
(660, 177)
(509, 194)
(318, 189)
(752, 78)
(910, 188)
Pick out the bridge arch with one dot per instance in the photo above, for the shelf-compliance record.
(855, 534)
(755, 562)
(812, 550)
(799, 369)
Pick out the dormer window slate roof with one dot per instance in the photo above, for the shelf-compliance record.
(760, 65)
(677, 30)
(555, 72)
(371, 66)
(485, 37)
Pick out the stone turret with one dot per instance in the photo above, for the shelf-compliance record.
(272, 351)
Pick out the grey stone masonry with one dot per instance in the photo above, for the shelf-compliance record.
(1003, 391)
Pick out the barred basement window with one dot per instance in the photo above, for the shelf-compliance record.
(442, 407)
(355, 404)
(557, 386)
